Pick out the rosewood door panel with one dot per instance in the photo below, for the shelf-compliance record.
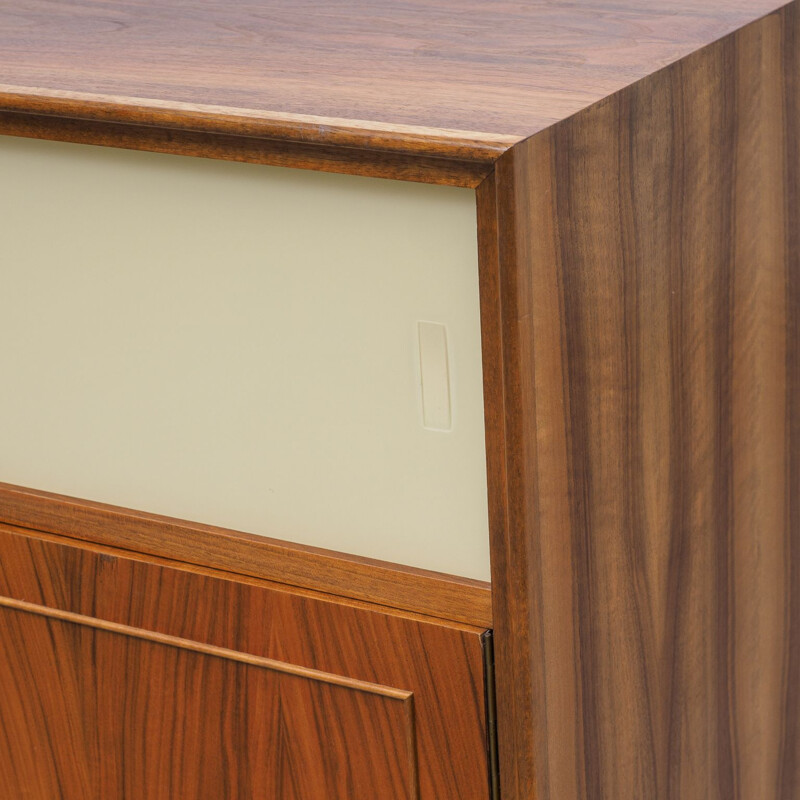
(95, 710)
(116, 658)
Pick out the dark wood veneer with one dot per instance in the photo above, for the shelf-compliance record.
(646, 522)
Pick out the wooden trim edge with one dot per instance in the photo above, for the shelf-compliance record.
(310, 129)
(362, 158)
(377, 582)
(271, 664)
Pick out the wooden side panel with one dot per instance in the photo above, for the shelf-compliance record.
(647, 563)
(89, 712)
(434, 664)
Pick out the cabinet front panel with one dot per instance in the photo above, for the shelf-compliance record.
(142, 718)
(135, 677)
(241, 345)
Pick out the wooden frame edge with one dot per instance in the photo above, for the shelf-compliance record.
(380, 583)
(465, 145)
(509, 565)
(362, 160)
(285, 668)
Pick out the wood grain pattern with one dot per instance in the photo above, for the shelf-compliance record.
(161, 717)
(646, 529)
(640, 286)
(355, 648)
(420, 591)
(249, 149)
(460, 80)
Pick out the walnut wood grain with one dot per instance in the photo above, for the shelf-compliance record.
(646, 535)
(393, 585)
(459, 80)
(361, 650)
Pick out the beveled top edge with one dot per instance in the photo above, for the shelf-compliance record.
(459, 145)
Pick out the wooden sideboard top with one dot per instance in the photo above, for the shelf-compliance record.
(461, 81)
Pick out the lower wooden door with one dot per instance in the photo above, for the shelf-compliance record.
(129, 676)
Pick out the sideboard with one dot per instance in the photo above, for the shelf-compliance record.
(400, 400)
